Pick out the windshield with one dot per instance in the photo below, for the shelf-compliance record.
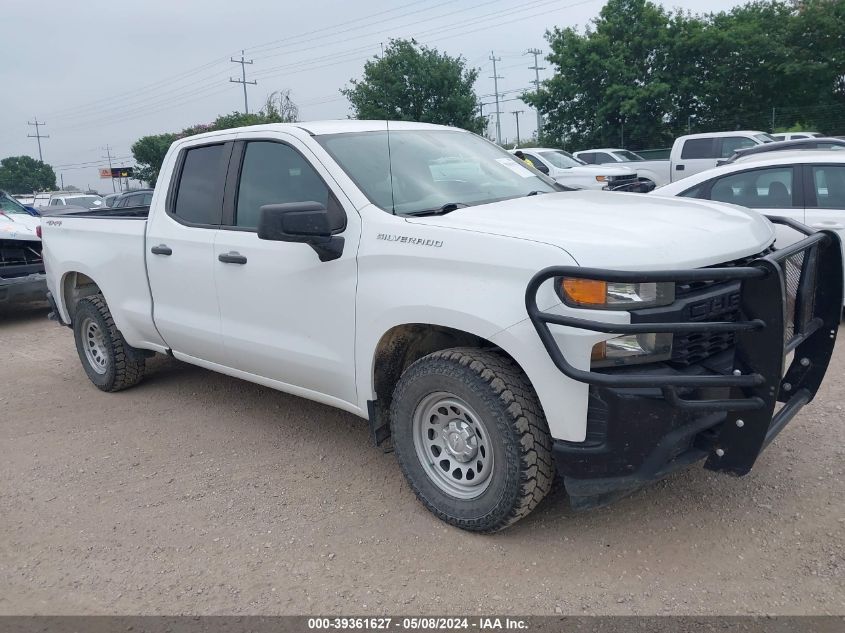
(626, 155)
(765, 138)
(561, 159)
(424, 170)
(89, 202)
(9, 205)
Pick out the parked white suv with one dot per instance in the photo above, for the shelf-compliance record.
(497, 328)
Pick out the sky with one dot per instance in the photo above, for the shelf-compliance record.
(101, 74)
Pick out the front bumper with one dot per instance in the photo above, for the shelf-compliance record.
(20, 290)
(646, 422)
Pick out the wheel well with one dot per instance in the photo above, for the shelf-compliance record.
(75, 287)
(402, 345)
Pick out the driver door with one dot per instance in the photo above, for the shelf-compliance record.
(286, 316)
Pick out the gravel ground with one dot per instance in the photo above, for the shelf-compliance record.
(195, 493)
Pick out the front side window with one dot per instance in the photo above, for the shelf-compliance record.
(732, 143)
(9, 205)
(89, 202)
(565, 160)
(588, 157)
(829, 181)
(698, 148)
(769, 188)
(199, 197)
(421, 171)
(625, 155)
(275, 173)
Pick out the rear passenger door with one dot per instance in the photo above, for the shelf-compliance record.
(697, 154)
(825, 199)
(180, 252)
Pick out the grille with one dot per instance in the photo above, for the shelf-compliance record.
(797, 269)
(695, 347)
(18, 257)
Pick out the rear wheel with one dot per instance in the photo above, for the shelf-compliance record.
(471, 438)
(110, 362)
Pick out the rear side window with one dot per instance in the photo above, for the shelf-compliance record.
(275, 173)
(829, 181)
(758, 188)
(199, 196)
(698, 148)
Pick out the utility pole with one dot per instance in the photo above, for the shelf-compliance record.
(38, 135)
(536, 68)
(496, 79)
(243, 80)
(108, 155)
(516, 114)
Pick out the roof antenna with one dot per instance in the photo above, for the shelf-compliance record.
(390, 168)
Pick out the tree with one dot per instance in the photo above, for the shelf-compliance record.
(149, 151)
(411, 82)
(23, 174)
(639, 76)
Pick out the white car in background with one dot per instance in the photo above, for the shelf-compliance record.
(46, 201)
(571, 172)
(22, 278)
(807, 186)
(790, 136)
(654, 171)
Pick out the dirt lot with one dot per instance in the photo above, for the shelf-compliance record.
(198, 493)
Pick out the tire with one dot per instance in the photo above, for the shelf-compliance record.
(110, 362)
(471, 438)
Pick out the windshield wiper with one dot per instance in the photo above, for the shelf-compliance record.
(534, 193)
(442, 210)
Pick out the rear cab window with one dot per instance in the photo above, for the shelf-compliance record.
(198, 193)
(698, 148)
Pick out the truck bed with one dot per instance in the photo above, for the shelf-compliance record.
(86, 248)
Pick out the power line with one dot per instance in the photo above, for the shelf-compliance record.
(38, 135)
(536, 68)
(243, 80)
(496, 77)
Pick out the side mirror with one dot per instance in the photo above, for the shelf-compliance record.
(304, 222)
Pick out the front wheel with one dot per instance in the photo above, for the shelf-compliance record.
(471, 438)
(110, 362)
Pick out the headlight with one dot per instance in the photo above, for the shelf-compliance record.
(632, 349)
(601, 178)
(606, 295)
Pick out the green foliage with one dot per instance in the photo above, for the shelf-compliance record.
(149, 151)
(23, 174)
(411, 82)
(640, 75)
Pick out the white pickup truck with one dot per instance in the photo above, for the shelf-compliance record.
(497, 329)
(690, 155)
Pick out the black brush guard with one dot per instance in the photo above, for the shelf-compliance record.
(790, 301)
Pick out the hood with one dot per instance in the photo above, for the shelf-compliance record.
(621, 230)
(18, 226)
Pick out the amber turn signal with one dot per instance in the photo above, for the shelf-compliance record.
(585, 291)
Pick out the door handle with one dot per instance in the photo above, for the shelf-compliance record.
(828, 225)
(161, 249)
(232, 257)
(679, 168)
